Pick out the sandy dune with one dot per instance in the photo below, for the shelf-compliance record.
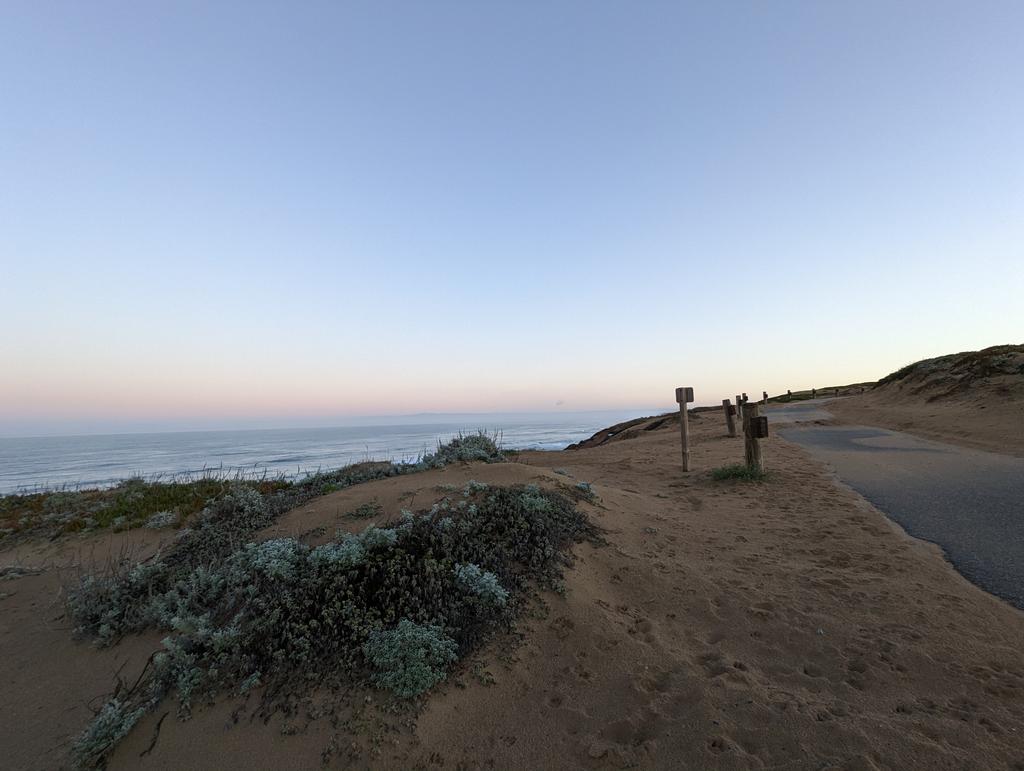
(994, 425)
(975, 398)
(725, 625)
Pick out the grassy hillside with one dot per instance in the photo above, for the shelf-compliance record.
(997, 371)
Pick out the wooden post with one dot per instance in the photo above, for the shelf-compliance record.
(789, 395)
(730, 421)
(751, 446)
(739, 408)
(764, 398)
(684, 395)
(814, 393)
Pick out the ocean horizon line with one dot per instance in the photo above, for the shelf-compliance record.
(353, 421)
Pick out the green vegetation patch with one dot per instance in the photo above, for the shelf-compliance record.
(137, 502)
(738, 471)
(395, 606)
(132, 503)
(965, 367)
(366, 510)
(899, 374)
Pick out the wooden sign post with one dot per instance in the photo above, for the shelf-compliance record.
(755, 427)
(730, 420)
(684, 396)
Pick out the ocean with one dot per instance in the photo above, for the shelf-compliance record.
(37, 463)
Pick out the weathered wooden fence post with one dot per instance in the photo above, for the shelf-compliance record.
(730, 421)
(684, 395)
(764, 398)
(755, 427)
(739, 408)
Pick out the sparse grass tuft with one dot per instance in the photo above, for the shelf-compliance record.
(366, 510)
(738, 471)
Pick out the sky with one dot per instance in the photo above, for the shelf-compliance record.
(217, 214)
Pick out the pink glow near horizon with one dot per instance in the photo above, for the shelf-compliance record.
(350, 210)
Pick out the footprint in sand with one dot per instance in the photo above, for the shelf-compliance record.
(713, 664)
(562, 627)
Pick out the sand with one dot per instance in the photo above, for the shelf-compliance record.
(973, 398)
(979, 421)
(786, 624)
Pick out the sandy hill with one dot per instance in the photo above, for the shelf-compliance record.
(630, 429)
(638, 427)
(974, 398)
(726, 625)
(972, 376)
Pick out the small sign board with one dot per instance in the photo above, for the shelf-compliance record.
(759, 427)
(684, 395)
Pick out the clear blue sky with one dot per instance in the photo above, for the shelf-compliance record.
(219, 212)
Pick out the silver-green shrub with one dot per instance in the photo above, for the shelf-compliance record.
(411, 658)
(162, 519)
(286, 616)
(465, 448)
(533, 500)
(482, 583)
(111, 724)
(473, 487)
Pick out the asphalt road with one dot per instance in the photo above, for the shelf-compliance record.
(969, 502)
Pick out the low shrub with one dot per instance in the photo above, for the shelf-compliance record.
(411, 658)
(107, 607)
(465, 448)
(111, 724)
(162, 519)
(393, 605)
(482, 583)
(586, 488)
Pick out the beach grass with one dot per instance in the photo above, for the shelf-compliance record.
(738, 471)
(366, 510)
